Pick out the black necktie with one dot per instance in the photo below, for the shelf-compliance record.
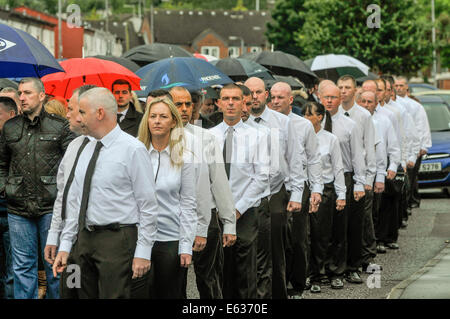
(346, 114)
(87, 187)
(227, 150)
(119, 116)
(258, 119)
(70, 179)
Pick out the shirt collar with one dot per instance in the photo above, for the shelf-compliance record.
(109, 138)
(152, 149)
(224, 126)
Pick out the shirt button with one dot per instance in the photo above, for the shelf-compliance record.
(29, 134)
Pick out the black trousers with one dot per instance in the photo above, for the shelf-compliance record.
(413, 174)
(369, 243)
(405, 194)
(279, 237)
(297, 252)
(105, 258)
(239, 268)
(321, 224)
(208, 263)
(166, 275)
(376, 212)
(264, 252)
(389, 213)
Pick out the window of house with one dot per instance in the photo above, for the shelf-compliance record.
(213, 51)
(255, 49)
(234, 52)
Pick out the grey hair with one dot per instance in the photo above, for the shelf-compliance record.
(10, 90)
(401, 78)
(99, 96)
(37, 83)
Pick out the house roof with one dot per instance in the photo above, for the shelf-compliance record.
(182, 27)
(5, 15)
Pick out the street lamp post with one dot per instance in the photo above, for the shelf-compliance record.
(233, 38)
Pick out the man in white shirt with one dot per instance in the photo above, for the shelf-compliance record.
(346, 224)
(347, 86)
(246, 165)
(282, 99)
(421, 120)
(289, 176)
(208, 261)
(108, 199)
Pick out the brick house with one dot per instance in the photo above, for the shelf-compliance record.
(220, 33)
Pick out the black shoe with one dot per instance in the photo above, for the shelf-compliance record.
(337, 283)
(392, 246)
(308, 283)
(371, 268)
(353, 277)
(295, 294)
(409, 211)
(404, 224)
(381, 249)
(324, 280)
(315, 288)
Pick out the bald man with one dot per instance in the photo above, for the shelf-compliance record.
(345, 232)
(282, 99)
(286, 191)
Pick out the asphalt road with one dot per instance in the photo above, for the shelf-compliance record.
(426, 235)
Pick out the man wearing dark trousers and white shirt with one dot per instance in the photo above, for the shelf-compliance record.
(290, 176)
(347, 86)
(128, 116)
(208, 261)
(246, 165)
(111, 235)
(352, 149)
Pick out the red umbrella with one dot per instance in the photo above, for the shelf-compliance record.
(87, 71)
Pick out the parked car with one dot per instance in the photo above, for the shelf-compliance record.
(420, 87)
(434, 171)
(445, 94)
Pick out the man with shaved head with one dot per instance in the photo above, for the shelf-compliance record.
(289, 176)
(282, 102)
(423, 128)
(345, 222)
(347, 86)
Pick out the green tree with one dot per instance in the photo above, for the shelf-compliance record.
(288, 17)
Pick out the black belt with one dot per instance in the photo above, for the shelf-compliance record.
(113, 226)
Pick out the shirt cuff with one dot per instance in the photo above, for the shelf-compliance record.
(65, 246)
(358, 188)
(393, 167)
(412, 158)
(317, 188)
(229, 228)
(380, 178)
(296, 197)
(53, 238)
(184, 248)
(202, 230)
(341, 195)
(144, 252)
(369, 180)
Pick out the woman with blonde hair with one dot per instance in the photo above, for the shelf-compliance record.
(161, 130)
(54, 106)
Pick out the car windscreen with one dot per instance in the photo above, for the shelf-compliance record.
(438, 116)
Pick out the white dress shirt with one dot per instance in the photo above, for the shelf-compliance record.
(352, 149)
(420, 117)
(289, 149)
(390, 142)
(122, 114)
(217, 186)
(249, 169)
(122, 190)
(311, 162)
(64, 169)
(331, 159)
(363, 119)
(175, 192)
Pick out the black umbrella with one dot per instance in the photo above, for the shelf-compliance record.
(282, 63)
(4, 83)
(149, 53)
(241, 69)
(292, 81)
(130, 65)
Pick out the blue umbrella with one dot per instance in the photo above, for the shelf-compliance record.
(191, 73)
(21, 55)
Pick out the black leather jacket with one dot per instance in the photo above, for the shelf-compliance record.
(30, 153)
